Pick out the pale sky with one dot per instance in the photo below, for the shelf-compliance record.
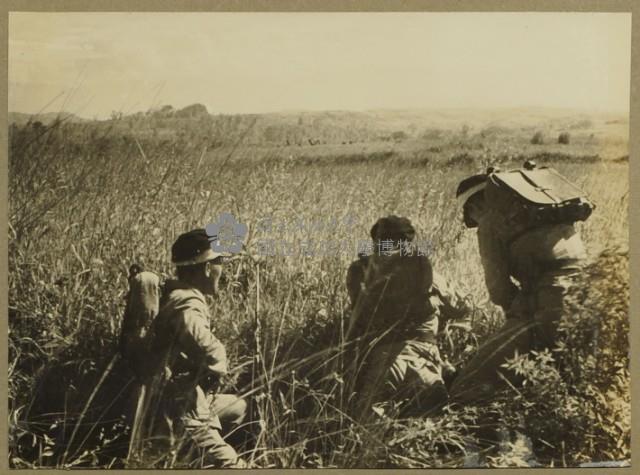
(94, 63)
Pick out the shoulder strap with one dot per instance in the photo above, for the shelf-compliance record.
(426, 271)
(538, 187)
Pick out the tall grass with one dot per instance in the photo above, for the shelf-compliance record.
(86, 202)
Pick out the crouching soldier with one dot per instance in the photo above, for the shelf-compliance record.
(531, 253)
(190, 360)
(397, 303)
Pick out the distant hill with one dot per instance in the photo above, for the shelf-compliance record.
(345, 127)
(193, 111)
(46, 118)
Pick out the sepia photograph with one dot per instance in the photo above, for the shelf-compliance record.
(311, 240)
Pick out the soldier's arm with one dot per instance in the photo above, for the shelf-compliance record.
(495, 262)
(196, 335)
(355, 278)
(355, 282)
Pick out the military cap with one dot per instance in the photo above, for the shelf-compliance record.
(193, 247)
(395, 228)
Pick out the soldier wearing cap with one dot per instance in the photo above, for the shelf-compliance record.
(192, 359)
(397, 304)
(527, 273)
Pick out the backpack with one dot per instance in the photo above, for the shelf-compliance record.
(143, 305)
(530, 196)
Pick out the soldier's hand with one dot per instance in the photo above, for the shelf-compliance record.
(168, 374)
(449, 373)
(210, 383)
(448, 368)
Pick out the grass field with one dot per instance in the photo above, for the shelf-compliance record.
(82, 209)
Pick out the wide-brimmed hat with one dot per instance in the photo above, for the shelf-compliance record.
(193, 247)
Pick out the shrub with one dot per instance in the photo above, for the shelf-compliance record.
(564, 138)
(537, 139)
(399, 136)
(576, 398)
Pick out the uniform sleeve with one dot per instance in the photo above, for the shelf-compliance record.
(196, 336)
(358, 326)
(495, 261)
(355, 278)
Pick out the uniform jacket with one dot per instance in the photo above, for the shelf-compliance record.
(507, 252)
(188, 352)
(399, 298)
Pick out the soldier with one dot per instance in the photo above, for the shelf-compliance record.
(397, 303)
(191, 360)
(527, 270)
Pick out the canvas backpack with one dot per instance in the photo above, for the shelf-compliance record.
(149, 422)
(535, 196)
(143, 305)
